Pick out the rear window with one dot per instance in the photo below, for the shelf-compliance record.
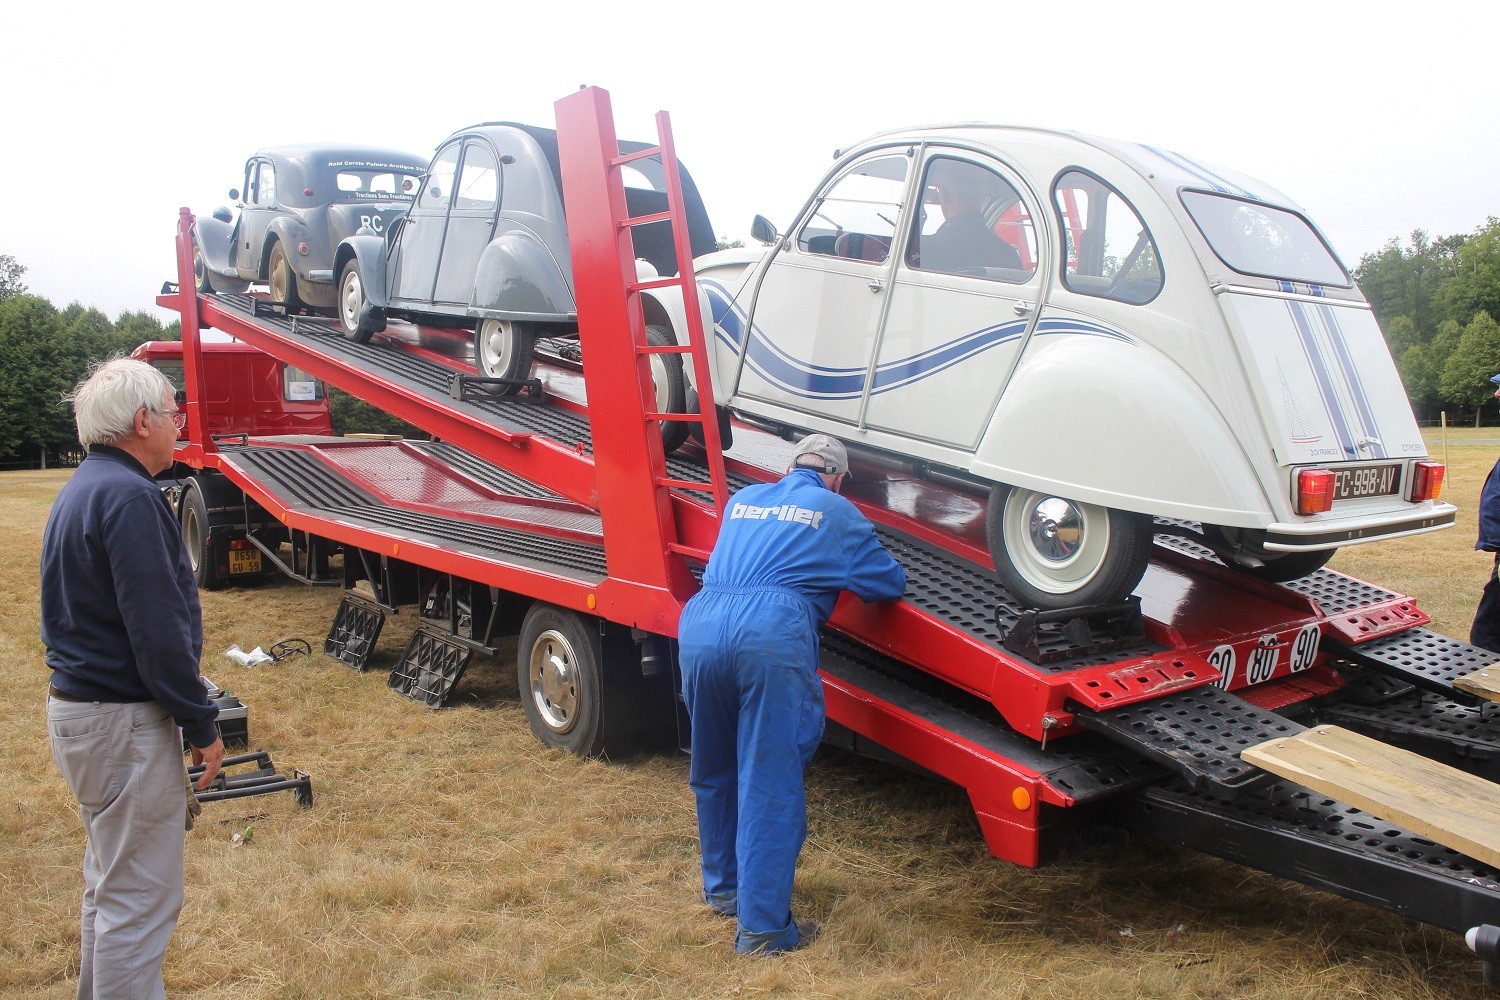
(379, 185)
(1261, 240)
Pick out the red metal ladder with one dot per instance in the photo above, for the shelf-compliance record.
(640, 501)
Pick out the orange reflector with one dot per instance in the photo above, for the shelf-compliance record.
(1427, 481)
(1314, 491)
(396, 549)
(1020, 798)
(593, 602)
(239, 544)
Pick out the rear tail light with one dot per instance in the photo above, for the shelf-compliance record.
(1427, 481)
(1314, 491)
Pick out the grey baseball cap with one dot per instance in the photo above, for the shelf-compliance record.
(835, 458)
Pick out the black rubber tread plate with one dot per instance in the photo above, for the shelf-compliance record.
(1085, 766)
(300, 480)
(1289, 830)
(1420, 656)
(1197, 734)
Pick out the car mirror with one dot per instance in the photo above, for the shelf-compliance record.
(234, 194)
(762, 231)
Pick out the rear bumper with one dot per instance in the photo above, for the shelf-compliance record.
(1304, 536)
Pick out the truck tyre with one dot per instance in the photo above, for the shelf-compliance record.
(502, 349)
(358, 319)
(1275, 567)
(558, 660)
(1051, 552)
(671, 389)
(282, 280)
(195, 535)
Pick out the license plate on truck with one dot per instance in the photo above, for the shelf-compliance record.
(244, 561)
(1356, 481)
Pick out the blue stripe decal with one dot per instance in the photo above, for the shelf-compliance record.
(1351, 375)
(1320, 371)
(812, 381)
(1203, 173)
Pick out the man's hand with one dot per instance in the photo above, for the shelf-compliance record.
(212, 758)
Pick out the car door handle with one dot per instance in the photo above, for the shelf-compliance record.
(876, 284)
(1023, 307)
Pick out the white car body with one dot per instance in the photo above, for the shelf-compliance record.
(1200, 402)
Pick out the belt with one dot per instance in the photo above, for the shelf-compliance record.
(64, 696)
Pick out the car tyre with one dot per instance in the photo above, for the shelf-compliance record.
(502, 349)
(1051, 552)
(1275, 567)
(671, 388)
(358, 319)
(282, 280)
(200, 271)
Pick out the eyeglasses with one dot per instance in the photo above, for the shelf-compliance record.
(178, 417)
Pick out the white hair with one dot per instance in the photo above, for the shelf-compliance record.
(106, 401)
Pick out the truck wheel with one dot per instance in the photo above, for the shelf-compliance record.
(283, 280)
(1276, 567)
(671, 390)
(558, 661)
(195, 535)
(502, 349)
(359, 321)
(1051, 552)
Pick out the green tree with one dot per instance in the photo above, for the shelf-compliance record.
(1466, 373)
(1401, 335)
(355, 416)
(1475, 286)
(1420, 377)
(10, 277)
(34, 422)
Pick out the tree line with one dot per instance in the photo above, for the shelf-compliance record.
(1437, 301)
(45, 351)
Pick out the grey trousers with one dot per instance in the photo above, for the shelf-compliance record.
(125, 766)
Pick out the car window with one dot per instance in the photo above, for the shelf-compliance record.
(1258, 239)
(856, 217)
(439, 185)
(265, 186)
(1107, 249)
(384, 185)
(479, 184)
(973, 222)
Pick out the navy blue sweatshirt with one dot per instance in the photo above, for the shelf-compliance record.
(120, 612)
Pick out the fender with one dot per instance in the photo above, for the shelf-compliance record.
(370, 251)
(288, 231)
(518, 278)
(214, 236)
(664, 306)
(1072, 405)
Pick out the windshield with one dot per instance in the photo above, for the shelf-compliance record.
(1254, 238)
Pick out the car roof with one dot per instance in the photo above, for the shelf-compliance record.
(1167, 170)
(308, 158)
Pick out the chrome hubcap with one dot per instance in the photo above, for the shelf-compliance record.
(554, 681)
(1056, 529)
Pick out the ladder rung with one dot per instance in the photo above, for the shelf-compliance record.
(691, 551)
(640, 154)
(676, 418)
(640, 286)
(685, 484)
(641, 220)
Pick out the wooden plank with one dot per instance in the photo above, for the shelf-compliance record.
(1439, 802)
(1484, 682)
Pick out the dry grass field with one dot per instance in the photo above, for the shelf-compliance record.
(450, 855)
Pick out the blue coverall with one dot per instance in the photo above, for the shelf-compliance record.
(748, 644)
(1485, 631)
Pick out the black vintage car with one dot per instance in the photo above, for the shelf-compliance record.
(485, 247)
(299, 203)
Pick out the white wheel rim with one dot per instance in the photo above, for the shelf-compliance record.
(496, 347)
(353, 300)
(1055, 545)
(659, 383)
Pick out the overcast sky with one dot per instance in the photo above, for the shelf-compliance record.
(1375, 122)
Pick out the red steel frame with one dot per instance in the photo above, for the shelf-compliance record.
(647, 528)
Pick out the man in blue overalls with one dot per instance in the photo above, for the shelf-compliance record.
(748, 643)
(1485, 631)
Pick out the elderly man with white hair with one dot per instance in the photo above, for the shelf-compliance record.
(123, 630)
